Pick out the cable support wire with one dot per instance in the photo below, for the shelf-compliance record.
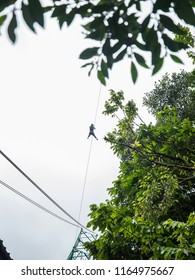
(35, 203)
(98, 102)
(42, 191)
(89, 155)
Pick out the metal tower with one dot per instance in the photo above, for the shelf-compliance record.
(78, 251)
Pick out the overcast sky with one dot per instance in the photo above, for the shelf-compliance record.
(47, 104)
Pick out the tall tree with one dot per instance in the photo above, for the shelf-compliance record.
(126, 28)
(151, 210)
(175, 90)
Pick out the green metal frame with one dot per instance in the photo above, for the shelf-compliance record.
(78, 251)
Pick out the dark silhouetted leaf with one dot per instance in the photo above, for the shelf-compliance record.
(185, 11)
(141, 60)
(97, 35)
(59, 11)
(151, 38)
(156, 54)
(158, 66)
(176, 59)
(162, 5)
(83, 10)
(101, 77)
(117, 47)
(12, 27)
(134, 72)
(36, 11)
(107, 50)
(88, 53)
(70, 17)
(141, 46)
(6, 3)
(145, 22)
(138, 5)
(104, 68)
(47, 9)
(173, 45)
(170, 25)
(121, 55)
(27, 16)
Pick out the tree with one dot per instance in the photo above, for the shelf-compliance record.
(189, 39)
(151, 210)
(175, 90)
(120, 28)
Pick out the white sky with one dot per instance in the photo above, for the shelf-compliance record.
(47, 104)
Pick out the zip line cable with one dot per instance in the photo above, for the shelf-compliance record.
(35, 203)
(45, 194)
(98, 102)
(42, 191)
(89, 155)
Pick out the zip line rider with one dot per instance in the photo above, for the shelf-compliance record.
(91, 131)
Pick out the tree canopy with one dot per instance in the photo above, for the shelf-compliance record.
(151, 210)
(120, 29)
(175, 90)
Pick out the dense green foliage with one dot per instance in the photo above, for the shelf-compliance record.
(124, 28)
(173, 90)
(151, 210)
(189, 39)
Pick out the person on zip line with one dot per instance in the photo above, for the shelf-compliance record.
(91, 131)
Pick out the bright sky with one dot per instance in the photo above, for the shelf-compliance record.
(47, 104)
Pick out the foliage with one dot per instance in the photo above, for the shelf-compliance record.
(120, 28)
(151, 210)
(189, 39)
(173, 90)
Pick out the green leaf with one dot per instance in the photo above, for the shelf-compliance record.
(107, 50)
(89, 53)
(61, 21)
(146, 22)
(5, 4)
(59, 11)
(156, 54)
(95, 35)
(185, 11)
(84, 10)
(27, 16)
(2, 19)
(121, 55)
(36, 11)
(141, 46)
(150, 37)
(47, 9)
(101, 77)
(104, 68)
(170, 25)
(172, 45)
(141, 60)
(138, 5)
(176, 59)
(12, 27)
(134, 72)
(70, 17)
(158, 66)
(117, 47)
(162, 5)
